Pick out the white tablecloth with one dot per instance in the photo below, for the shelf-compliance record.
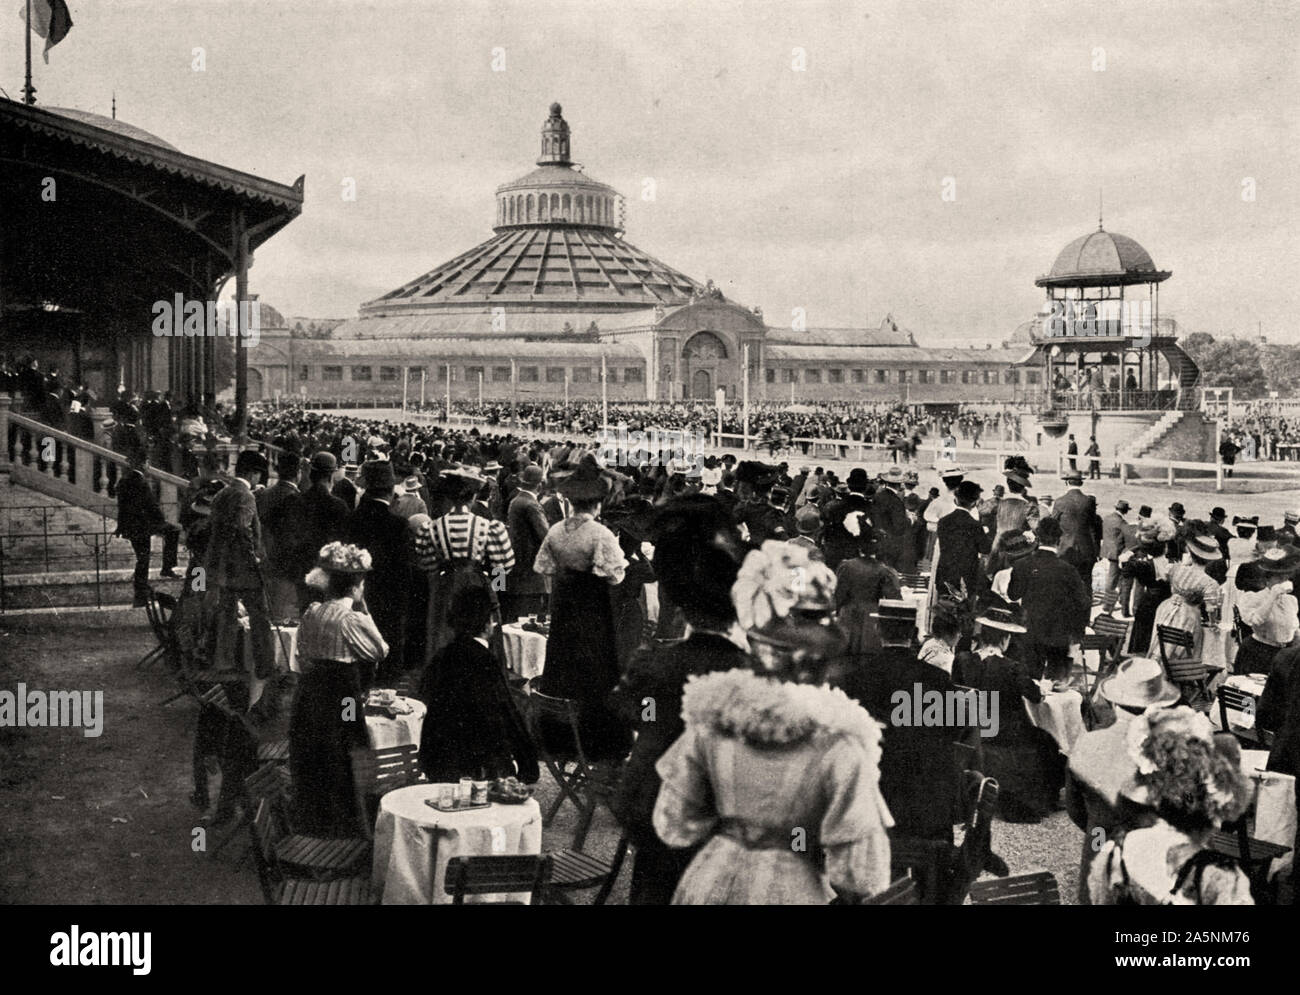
(399, 730)
(1274, 798)
(1060, 714)
(286, 645)
(525, 651)
(414, 842)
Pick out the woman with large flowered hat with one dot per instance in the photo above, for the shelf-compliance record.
(340, 646)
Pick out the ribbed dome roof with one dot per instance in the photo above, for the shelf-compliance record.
(1102, 258)
(558, 246)
(545, 264)
(112, 124)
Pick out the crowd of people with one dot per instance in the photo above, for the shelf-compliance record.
(1262, 433)
(791, 611)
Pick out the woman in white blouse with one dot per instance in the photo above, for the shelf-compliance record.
(1270, 613)
(339, 645)
(583, 559)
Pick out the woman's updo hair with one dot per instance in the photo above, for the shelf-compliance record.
(1190, 779)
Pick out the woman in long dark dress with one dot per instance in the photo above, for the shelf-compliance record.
(337, 637)
(458, 549)
(583, 558)
(860, 584)
(472, 728)
(1150, 568)
(1024, 759)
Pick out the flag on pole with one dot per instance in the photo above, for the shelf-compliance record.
(50, 20)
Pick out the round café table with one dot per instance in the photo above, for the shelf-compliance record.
(525, 651)
(414, 842)
(398, 730)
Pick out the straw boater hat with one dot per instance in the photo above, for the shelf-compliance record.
(1000, 618)
(1204, 548)
(1245, 526)
(1139, 682)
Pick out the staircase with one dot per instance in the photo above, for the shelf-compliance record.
(1189, 375)
(1149, 439)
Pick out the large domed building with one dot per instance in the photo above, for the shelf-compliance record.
(557, 291)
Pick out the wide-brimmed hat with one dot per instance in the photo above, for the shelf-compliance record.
(895, 610)
(1000, 618)
(586, 483)
(1140, 682)
(1072, 477)
(463, 474)
(1204, 547)
(1281, 560)
(1017, 477)
(1245, 526)
(1017, 545)
(951, 470)
(894, 475)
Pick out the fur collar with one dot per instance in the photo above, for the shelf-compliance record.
(767, 712)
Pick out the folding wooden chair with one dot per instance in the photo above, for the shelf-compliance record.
(315, 857)
(925, 862)
(1117, 631)
(1038, 888)
(498, 875)
(1236, 700)
(159, 608)
(571, 770)
(573, 870)
(377, 772)
(1254, 855)
(279, 890)
(1191, 674)
(901, 892)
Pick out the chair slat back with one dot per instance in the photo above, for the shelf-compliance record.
(921, 860)
(497, 875)
(563, 710)
(1173, 636)
(1039, 888)
(901, 892)
(270, 782)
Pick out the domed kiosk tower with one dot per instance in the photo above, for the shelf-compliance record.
(1101, 341)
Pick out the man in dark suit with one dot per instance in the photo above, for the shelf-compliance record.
(1055, 601)
(556, 508)
(323, 513)
(1073, 451)
(280, 510)
(525, 591)
(1113, 543)
(1130, 542)
(918, 775)
(838, 542)
(375, 528)
(889, 518)
(139, 519)
(1080, 527)
(1220, 534)
(234, 567)
(962, 542)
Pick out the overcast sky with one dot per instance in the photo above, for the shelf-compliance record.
(818, 189)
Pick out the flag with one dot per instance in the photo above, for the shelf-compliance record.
(50, 20)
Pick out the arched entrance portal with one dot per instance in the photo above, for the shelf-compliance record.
(702, 386)
(703, 358)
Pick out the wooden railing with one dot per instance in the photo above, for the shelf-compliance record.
(67, 467)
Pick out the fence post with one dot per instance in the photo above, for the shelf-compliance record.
(1170, 469)
(1123, 473)
(6, 402)
(1218, 474)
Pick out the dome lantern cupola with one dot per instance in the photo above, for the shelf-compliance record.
(555, 140)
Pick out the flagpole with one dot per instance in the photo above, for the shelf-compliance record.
(29, 91)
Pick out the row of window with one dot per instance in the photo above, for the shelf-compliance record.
(497, 374)
(926, 376)
(520, 208)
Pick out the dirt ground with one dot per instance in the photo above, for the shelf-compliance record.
(108, 820)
